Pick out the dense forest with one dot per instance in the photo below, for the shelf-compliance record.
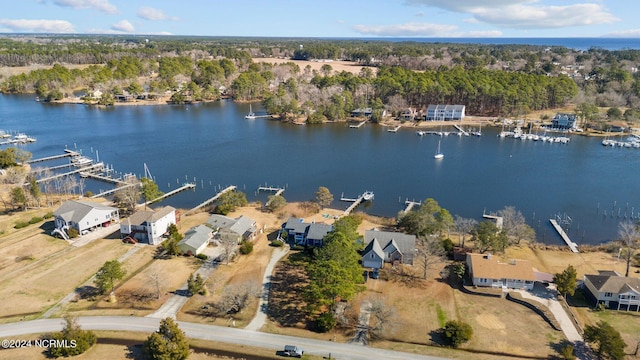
(493, 80)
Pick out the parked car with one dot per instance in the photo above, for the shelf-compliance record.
(291, 351)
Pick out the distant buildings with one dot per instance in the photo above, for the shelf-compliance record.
(445, 112)
(564, 121)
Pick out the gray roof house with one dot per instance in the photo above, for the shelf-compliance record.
(611, 289)
(373, 256)
(195, 240)
(396, 247)
(148, 226)
(304, 233)
(242, 228)
(83, 216)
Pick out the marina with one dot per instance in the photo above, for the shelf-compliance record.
(18, 138)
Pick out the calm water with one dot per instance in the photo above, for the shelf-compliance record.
(215, 145)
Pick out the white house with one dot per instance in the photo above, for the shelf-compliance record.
(195, 240)
(389, 247)
(83, 216)
(611, 289)
(445, 112)
(486, 270)
(148, 226)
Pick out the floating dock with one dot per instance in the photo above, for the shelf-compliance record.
(573, 246)
(395, 129)
(356, 126)
(214, 198)
(365, 196)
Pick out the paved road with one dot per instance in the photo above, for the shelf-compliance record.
(263, 306)
(214, 333)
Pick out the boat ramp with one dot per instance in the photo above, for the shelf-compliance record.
(365, 196)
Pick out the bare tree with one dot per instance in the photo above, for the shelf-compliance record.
(157, 281)
(235, 297)
(515, 225)
(228, 243)
(429, 251)
(383, 318)
(128, 195)
(464, 226)
(629, 234)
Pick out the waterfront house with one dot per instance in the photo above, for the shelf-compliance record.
(303, 233)
(362, 112)
(408, 114)
(487, 271)
(387, 246)
(83, 216)
(195, 240)
(242, 228)
(445, 112)
(613, 290)
(148, 226)
(564, 121)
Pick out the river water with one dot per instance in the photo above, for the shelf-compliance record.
(214, 145)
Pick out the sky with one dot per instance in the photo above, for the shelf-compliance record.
(326, 18)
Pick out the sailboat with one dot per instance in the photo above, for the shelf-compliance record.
(438, 155)
(251, 114)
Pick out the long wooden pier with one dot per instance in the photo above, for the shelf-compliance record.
(63, 166)
(108, 179)
(210, 200)
(170, 193)
(109, 192)
(573, 246)
(84, 169)
(356, 126)
(365, 196)
(276, 190)
(67, 153)
(409, 204)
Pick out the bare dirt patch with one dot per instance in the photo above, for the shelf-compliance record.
(337, 66)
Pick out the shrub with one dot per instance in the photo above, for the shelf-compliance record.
(72, 333)
(35, 220)
(325, 322)
(246, 248)
(73, 233)
(48, 215)
(21, 224)
(277, 243)
(457, 333)
(88, 194)
(202, 256)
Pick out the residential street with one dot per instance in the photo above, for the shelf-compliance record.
(214, 333)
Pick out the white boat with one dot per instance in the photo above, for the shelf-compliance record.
(420, 133)
(81, 161)
(367, 196)
(439, 154)
(251, 114)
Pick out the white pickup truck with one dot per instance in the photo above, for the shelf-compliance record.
(291, 351)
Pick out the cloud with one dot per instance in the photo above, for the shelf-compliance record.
(101, 5)
(525, 14)
(419, 13)
(149, 13)
(123, 26)
(38, 26)
(408, 29)
(631, 33)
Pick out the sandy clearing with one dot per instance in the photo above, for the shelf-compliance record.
(337, 65)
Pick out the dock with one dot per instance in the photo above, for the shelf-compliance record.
(496, 218)
(63, 166)
(573, 246)
(276, 190)
(67, 153)
(109, 192)
(409, 204)
(214, 198)
(395, 129)
(84, 169)
(365, 196)
(461, 130)
(107, 179)
(170, 193)
(356, 126)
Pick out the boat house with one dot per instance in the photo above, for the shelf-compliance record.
(445, 112)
